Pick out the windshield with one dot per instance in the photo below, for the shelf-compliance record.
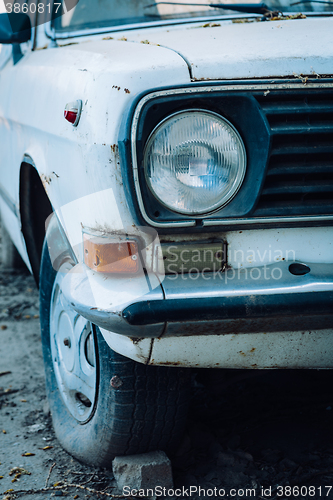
(89, 14)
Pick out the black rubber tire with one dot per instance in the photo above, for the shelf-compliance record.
(147, 412)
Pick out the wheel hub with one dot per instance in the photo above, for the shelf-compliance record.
(73, 355)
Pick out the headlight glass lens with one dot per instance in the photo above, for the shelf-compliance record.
(194, 162)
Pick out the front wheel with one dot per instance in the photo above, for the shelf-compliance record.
(102, 404)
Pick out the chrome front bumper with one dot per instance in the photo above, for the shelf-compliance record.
(263, 299)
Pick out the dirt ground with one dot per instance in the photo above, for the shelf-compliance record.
(245, 430)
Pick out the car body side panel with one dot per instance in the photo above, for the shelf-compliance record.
(76, 162)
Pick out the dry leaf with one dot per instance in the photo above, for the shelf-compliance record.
(3, 430)
(23, 400)
(28, 454)
(47, 447)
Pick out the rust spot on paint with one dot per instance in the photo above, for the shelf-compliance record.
(171, 363)
(136, 340)
(45, 180)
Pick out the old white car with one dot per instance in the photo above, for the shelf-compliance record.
(167, 176)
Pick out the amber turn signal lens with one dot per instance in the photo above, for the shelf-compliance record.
(104, 256)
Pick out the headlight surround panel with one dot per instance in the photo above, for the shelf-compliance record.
(237, 107)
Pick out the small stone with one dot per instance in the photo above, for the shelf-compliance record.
(144, 471)
(243, 455)
(225, 459)
(211, 475)
(233, 442)
(233, 479)
(214, 449)
(36, 428)
(287, 464)
(271, 456)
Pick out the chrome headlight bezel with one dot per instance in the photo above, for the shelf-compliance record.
(238, 102)
(237, 181)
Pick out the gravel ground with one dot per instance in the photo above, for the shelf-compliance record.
(246, 430)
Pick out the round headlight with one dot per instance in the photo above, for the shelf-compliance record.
(194, 162)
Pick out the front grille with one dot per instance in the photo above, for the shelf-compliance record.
(299, 178)
(287, 129)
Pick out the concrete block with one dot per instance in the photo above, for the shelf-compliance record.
(144, 471)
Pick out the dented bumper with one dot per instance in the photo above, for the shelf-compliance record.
(215, 303)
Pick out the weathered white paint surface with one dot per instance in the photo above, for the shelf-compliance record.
(261, 247)
(250, 350)
(252, 50)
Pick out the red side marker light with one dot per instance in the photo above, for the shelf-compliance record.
(72, 112)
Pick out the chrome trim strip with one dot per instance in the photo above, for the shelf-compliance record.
(9, 201)
(269, 279)
(234, 222)
(270, 85)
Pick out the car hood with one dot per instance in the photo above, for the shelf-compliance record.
(248, 48)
